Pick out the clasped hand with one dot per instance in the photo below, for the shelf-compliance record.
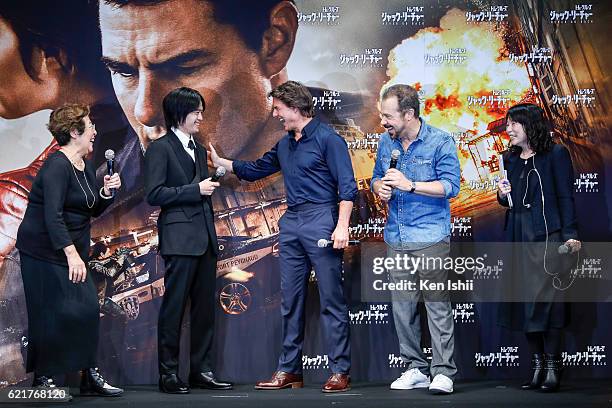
(111, 183)
(207, 187)
(392, 179)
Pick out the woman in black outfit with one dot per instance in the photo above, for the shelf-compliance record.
(541, 184)
(53, 242)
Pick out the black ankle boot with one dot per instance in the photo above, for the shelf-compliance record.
(92, 383)
(552, 372)
(537, 365)
(42, 381)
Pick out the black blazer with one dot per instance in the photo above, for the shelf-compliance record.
(186, 222)
(557, 174)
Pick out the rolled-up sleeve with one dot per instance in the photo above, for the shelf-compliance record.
(339, 163)
(448, 169)
(254, 170)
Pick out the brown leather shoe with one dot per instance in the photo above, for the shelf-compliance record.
(280, 380)
(337, 383)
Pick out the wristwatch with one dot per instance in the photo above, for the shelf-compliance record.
(413, 186)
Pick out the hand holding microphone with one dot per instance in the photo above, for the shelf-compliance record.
(569, 247)
(503, 186)
(325, 243)
(220, 172)
(385, 190)
(111, 184)
(208, 186)
(112, 181)
(394, 178)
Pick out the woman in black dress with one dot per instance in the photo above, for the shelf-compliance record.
(53, 242)
(542, 217)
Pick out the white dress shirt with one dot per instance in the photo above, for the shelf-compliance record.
(184, 139)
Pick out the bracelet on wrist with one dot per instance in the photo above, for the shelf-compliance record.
(106, 197)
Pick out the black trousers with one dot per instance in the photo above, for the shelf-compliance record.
(187, 277)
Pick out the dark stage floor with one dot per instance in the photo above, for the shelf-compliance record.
(581, 394)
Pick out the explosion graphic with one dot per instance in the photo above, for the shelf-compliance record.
(465, 81)
(447, 87)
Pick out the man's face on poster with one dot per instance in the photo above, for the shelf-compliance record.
(153, 49)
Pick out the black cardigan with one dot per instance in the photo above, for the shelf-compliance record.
(57, 214)
(557, 174)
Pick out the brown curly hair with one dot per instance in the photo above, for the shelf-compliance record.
(63, 120)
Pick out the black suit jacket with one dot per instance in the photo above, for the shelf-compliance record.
(557, 174)
(186, 222)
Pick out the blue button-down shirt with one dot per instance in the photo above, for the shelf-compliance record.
(414, 220)
(316, 168)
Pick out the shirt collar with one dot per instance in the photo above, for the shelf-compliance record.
(308, 129)
(183, 137)
(424, 130)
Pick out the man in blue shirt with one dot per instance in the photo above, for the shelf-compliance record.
(417, 191)
(321, 187)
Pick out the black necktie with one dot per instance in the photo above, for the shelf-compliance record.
(191, 145)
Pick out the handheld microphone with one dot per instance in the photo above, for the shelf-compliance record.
(325, 243)
(395, 154)
(505, 173)
(110, 166)
(220, 172)
(563, 249)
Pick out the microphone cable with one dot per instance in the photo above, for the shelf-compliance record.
(556, 281)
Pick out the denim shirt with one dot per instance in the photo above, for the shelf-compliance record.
(416, 221)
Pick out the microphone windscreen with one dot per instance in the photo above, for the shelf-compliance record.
(220, 172)
(109, 154)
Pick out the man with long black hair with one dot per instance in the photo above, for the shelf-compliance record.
(176, 179)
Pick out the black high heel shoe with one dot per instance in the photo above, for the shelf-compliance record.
(92, 383)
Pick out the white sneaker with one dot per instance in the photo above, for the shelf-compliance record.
(411, 379)
(441, 384)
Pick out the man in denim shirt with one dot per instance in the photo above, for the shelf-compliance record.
(418, 224)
